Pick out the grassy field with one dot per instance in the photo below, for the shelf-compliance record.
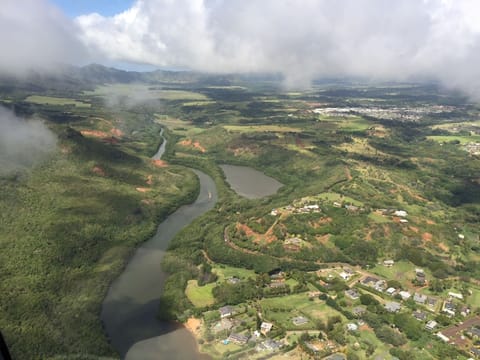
(200, 296)
(178, 126)
(139, 92)
(347, 123)
(49, 100)
(448, 138)
(260, 128)
(225, 272)
(335, 197)
(400, 271)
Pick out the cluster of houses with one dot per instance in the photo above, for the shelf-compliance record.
(297, 209)
(391, 113)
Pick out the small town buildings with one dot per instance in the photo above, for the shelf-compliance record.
(474, 332)
(420, 315)
(442, 337)
(464, 311)
(432, 324)
(369, 281)
(299, 320)
(419, 298)
(233, 280)
(455, 295)
(359, 311)
(391, 291)
(449, 308)
(352, 294)
(400, 213)
(293, 241)
(380, 285)
(388, 263)
(226, 311)
(431, 302)
(393, 306)
(352, 327)
(272, 345)
(239, 339)
(405, 295)
(475, 352)
(265, 327)
(346, 274)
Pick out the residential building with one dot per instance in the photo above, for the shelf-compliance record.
(419, 298)
(393, 306)
(265, 327)
(432, 324)
(391, 291)
(352, 294)
(388, 263)
(239, 339)
(226, 311)
(299, 320)
(420, 315)
(405, 295)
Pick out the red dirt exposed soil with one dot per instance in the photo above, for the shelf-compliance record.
(116, 132)
(426, 236)
(196, 145)
(142, 189)
(348, 174)
(99, 171)
(94, 133)
(149, 180)
(414, 229)
(159, 163)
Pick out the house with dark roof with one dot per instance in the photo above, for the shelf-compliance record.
(299, 320)
(420, 315)
(393, 307)
(420, 298)
(359, 310)
(352, 294)
(239, 339)
(226, 311)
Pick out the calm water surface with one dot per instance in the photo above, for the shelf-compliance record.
(249, 182)
(130, 308)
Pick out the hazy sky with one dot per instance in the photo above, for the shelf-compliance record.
(302, 39)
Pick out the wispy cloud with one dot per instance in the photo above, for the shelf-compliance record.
(23, 143)
(301, 39)
(35, 34)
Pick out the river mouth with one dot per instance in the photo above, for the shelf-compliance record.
(129, 311)
(250, 183)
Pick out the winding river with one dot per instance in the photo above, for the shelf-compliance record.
(129, 311)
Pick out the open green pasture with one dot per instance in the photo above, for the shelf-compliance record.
(50, 100)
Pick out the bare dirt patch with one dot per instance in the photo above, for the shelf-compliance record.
(444, 247)
(324, 239)
(386, 230)
(194, 144)
(149, 180)
(194, 325)
(94, 133)
(99, 171)
(159, 163)
(414, 229)
(142, 189)
(430, 222)
(427, 237)
(116, 132)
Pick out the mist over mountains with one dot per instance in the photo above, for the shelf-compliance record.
(23, 143)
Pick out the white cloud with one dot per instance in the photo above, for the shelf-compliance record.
(34, 34)
(301, 39)
(23, 143)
